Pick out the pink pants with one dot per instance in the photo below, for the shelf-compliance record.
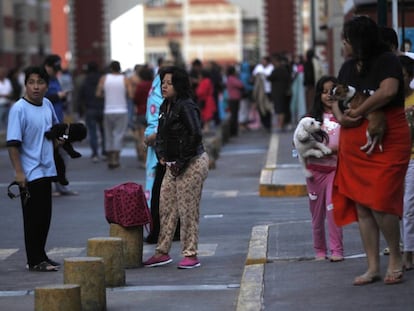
(320, 205)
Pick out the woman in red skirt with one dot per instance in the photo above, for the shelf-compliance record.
(369, 187)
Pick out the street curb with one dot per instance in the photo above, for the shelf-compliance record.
(280, 180)
(257, 253)
(252, 284)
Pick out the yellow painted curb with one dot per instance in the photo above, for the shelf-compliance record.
(252, 284)
(251, 289)
(282, 190)
(257, 253)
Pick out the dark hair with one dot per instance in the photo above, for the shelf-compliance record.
(146, 73)
(54, 61)
(115, 66)
(92, 66)
(197, 63)
(180, 80)
(231, 71)
(389, 36)
(407, 63)
(38, 71)
(363, 34)
(317, 107)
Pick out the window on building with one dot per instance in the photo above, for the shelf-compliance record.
(251, 55)
(153, 57)
(250, 26)
(156, 30)
(156, 2)
(178, 27)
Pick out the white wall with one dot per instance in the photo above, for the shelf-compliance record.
(127, 38)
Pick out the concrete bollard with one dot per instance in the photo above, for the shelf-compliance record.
(112, 252)
(89, 273)
(133, 243)
(59, 297)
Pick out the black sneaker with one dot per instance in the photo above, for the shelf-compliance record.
(53, 263)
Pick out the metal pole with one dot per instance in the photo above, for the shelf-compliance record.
(402, 24)
(395, 15)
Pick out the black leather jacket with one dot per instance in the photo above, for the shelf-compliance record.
(179, 136)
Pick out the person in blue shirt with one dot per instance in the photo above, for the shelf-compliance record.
(57, 96)
(31, 156)
(245, 103)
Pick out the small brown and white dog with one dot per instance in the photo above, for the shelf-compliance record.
(350, 98)
(308, 140)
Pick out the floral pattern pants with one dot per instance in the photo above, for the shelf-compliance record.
(180, 199)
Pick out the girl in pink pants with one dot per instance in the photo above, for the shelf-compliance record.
(320, 184)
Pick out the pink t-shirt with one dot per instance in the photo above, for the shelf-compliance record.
(331, 126)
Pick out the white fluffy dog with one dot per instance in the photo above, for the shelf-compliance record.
(308, 140)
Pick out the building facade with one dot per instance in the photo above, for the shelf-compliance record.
(24, 32)
(226, 31)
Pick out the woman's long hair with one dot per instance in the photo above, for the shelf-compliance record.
(364, 35)
(180, 80)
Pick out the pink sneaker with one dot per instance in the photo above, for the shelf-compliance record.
(157, 261)
(189, 263)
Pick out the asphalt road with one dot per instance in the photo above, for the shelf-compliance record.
(230, 208)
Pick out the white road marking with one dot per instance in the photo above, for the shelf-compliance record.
(66, 251)
(7, 252)
(213, 216)
(201, 287)
(225, 194)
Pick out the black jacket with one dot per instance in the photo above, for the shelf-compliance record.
(179, 136)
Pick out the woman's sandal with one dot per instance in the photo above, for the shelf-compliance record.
(44, 266)
(366, 279)
(394, 277)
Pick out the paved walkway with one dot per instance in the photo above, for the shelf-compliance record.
(280, 273)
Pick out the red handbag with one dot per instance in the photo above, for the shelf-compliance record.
(126, 205)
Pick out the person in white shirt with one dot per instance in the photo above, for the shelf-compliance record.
(6, 93)
(113, 87)
(261, 85)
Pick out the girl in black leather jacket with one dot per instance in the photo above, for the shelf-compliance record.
(179, 147)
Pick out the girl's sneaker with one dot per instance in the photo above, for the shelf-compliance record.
(157, 261)
(189, 263)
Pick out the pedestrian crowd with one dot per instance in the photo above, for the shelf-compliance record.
(170, 108)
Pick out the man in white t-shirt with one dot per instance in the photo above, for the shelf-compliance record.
(6, 93)
(263, 101)
(264, 69)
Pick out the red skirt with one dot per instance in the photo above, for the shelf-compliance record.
(375, 181)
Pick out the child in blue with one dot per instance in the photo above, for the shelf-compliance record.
(31, 155)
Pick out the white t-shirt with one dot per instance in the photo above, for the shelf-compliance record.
(264, 72)
(28, 124)
(115, 94)
(6, 89)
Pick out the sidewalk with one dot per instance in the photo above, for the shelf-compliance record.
(282, 175)
(280, 273)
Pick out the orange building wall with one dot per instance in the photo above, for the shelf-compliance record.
(280, 26)
(59, 40)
